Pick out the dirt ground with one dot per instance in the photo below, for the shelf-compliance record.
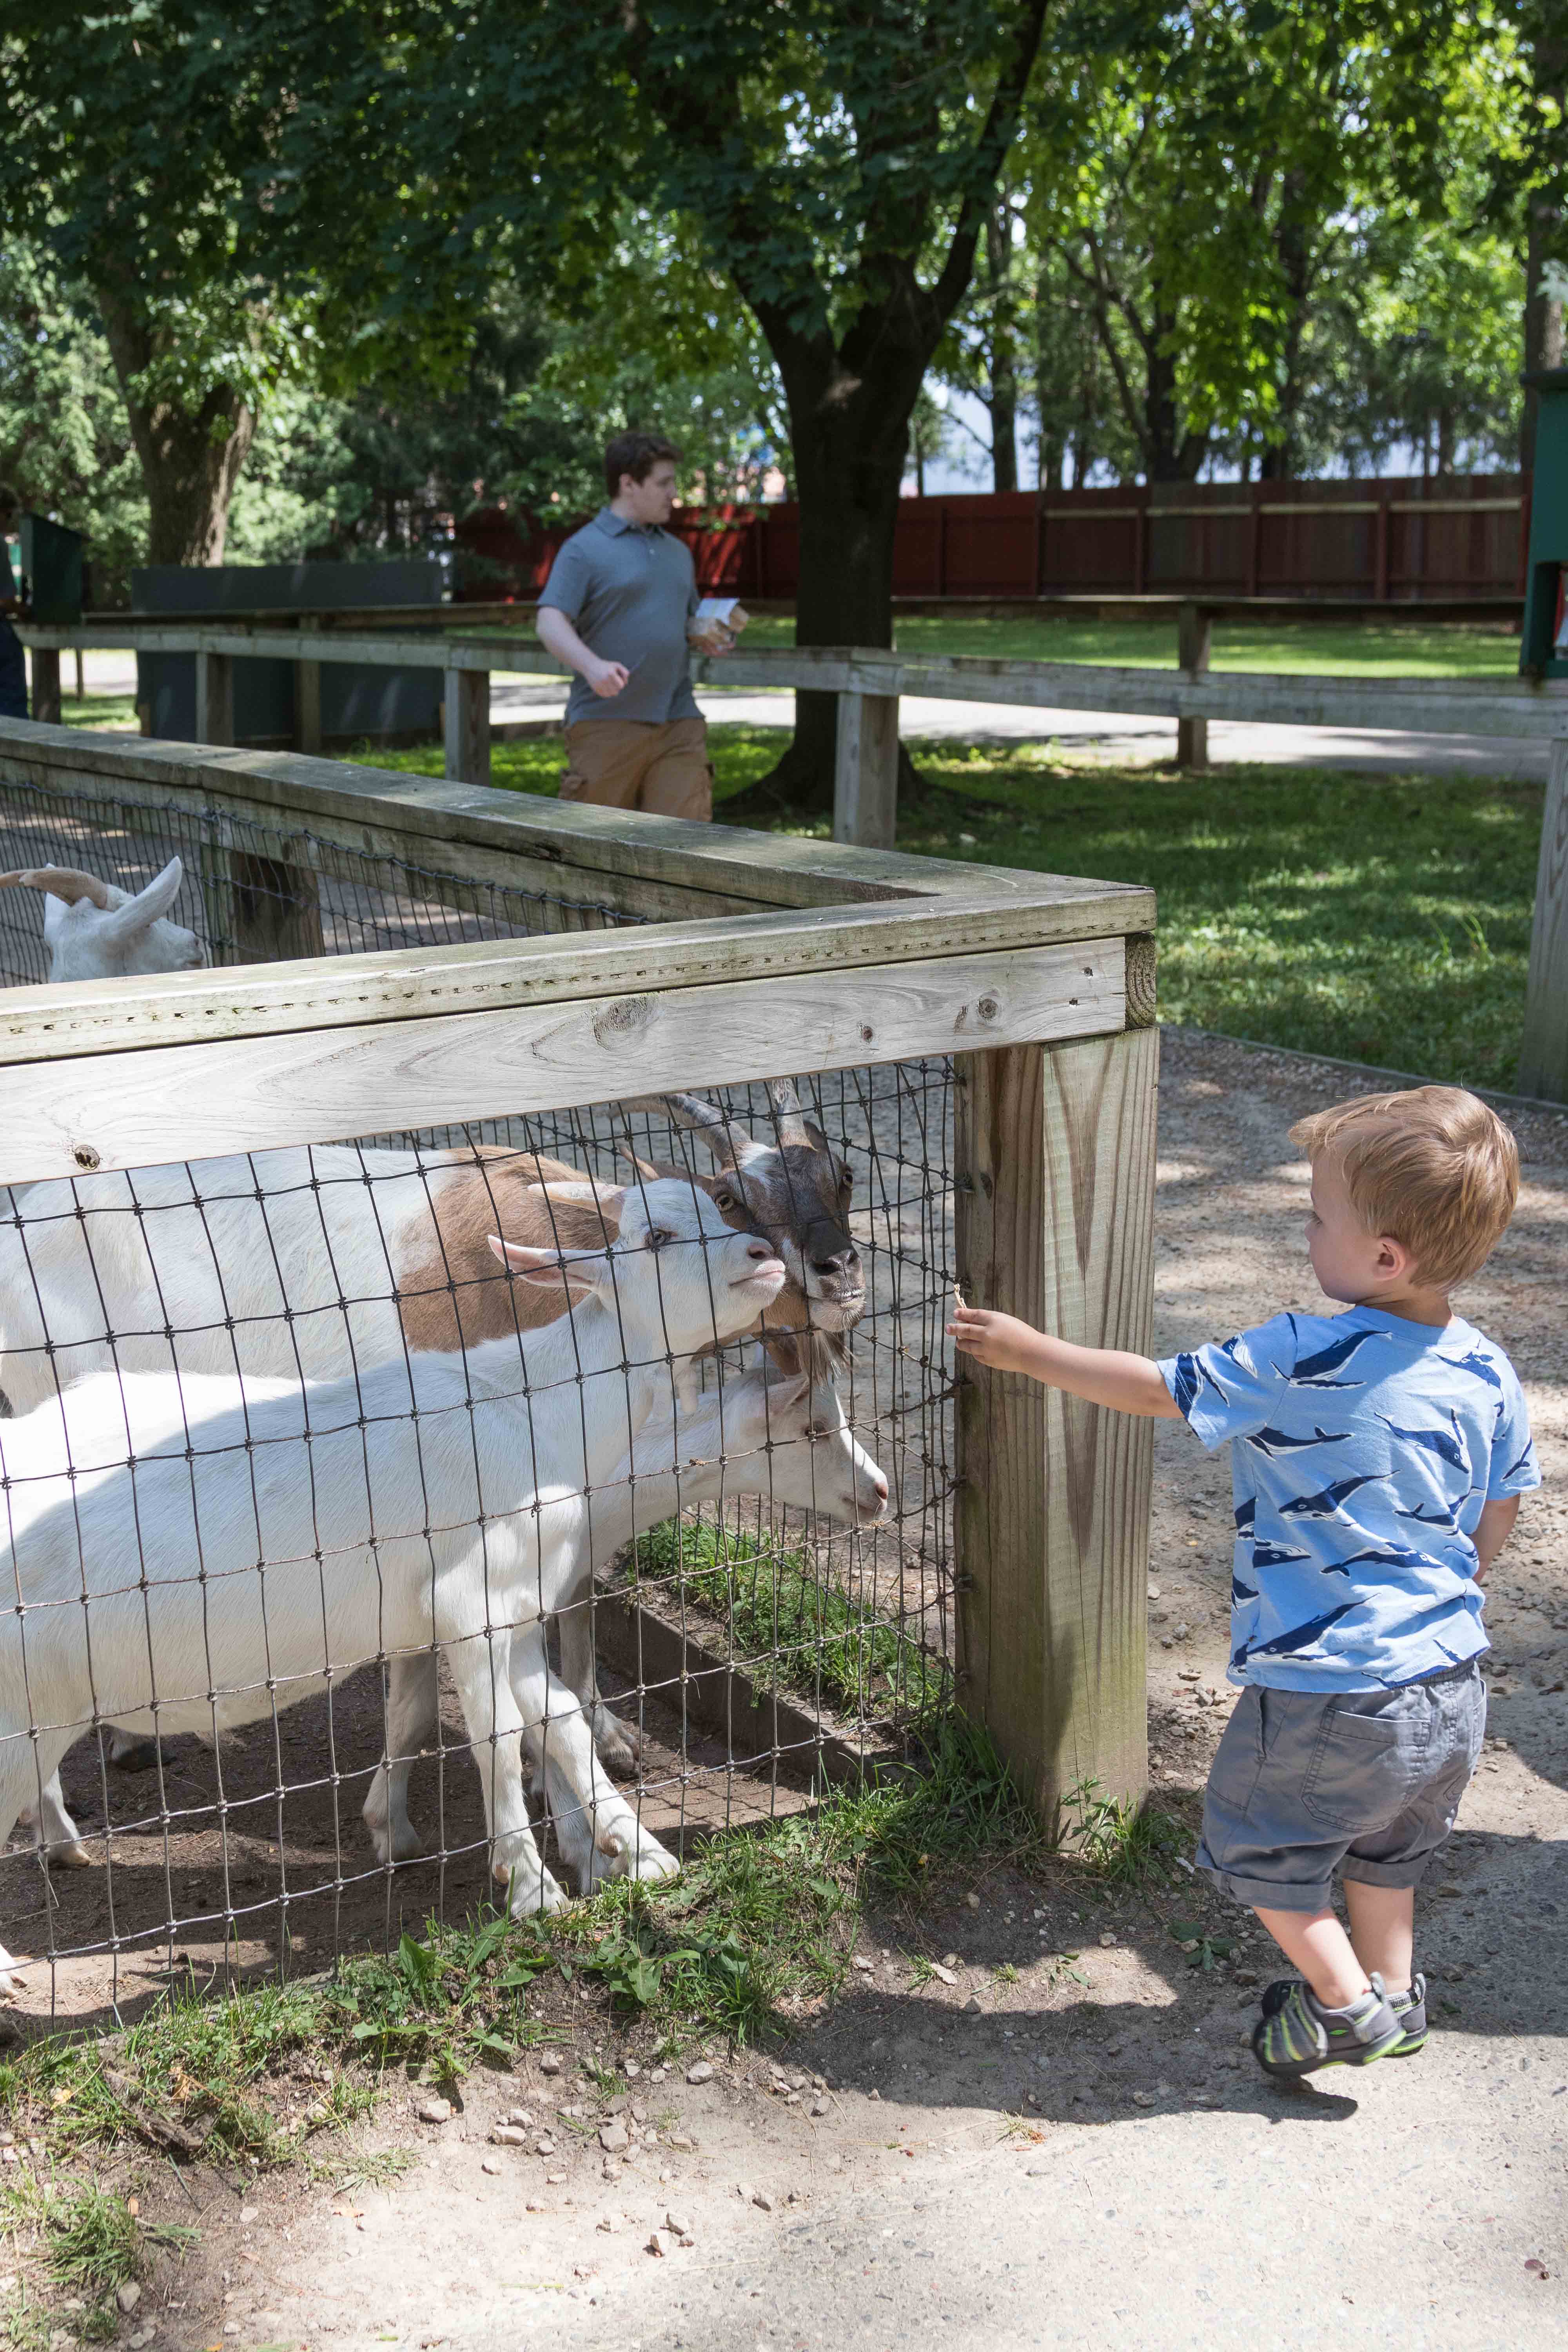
(1041, 2151)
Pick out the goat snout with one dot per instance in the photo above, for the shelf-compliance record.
(832, 1257)
(868, 1514)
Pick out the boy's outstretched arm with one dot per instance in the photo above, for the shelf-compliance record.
(1102, 1375)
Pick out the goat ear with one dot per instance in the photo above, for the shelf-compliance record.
(544, 1270)
(652, 1171)
(786, 1394)
(140, 913)
(609, 1199)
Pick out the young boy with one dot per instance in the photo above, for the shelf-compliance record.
(1377, 1458)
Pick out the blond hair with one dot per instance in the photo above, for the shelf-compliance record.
(1432, 1168)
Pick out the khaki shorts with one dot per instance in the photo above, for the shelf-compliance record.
(1364, 1782)
(636, 764)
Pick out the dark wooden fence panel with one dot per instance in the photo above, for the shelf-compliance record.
(1402, 540)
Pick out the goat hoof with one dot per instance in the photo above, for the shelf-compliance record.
(74, 1856)
(404, 1845)
(530, 1896)
(639, 1856)
(619, 1745)
(138, 1756)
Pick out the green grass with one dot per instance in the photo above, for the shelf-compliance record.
(784, 1624)
(116, 710)
(1353, 649)
(1380, 919)
(88, 2243)
(1391, 648)
(1125, 1843)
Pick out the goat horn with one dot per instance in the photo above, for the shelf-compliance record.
(67, 882)
(723, 1137)
(787, 1111)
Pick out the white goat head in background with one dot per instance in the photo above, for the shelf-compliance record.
(95, 931)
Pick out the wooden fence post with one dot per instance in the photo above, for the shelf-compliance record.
(308, 706)
(45, 685)
(1544, 1050)
(465, 726)
(865, 771)
(214, 699)
(1055, 1162)
(1195, 630)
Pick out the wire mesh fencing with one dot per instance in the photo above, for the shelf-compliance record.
(251, 892)
(352, 1574)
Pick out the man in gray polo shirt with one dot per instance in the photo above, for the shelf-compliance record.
(617, 610)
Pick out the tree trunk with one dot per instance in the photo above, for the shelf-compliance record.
(190, 459)
(1004, 400)
(1170, 453)
(1292, 252)
(850, 437)
(1544, 242)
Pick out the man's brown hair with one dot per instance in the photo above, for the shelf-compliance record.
(1431, 1167)
(635, 454)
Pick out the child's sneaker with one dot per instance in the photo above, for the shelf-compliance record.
(1301, 2035)
(1409, 2008)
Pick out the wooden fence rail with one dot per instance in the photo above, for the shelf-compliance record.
(869, 684)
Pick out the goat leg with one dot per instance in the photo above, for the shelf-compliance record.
(413, 1717)
(481, 1667)
(619, 1744)
(53, 1829)
(599, 1833)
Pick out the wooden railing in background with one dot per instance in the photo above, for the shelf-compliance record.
(870, 683)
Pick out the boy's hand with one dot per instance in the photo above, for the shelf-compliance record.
(1100, 1375)
(1000, 1340)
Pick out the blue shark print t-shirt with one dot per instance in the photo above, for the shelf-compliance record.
(1363, 1448)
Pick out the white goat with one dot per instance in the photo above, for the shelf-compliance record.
(96, 930)
(243, 1567)
(780, 1438)
(303, 1263)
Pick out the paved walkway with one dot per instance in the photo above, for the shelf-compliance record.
(1110, 735)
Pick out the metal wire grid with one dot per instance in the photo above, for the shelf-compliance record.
(798, 1643)
(253, 1850)
(246, 883)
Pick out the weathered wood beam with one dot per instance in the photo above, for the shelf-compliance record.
(214, 698)
(466, 727)
(1054, 1155)
(1194, 637)
(315, 1086)
(1544, 1050)
(589, 849)
(865, 771)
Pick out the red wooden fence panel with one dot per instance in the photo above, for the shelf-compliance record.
(1402, 540)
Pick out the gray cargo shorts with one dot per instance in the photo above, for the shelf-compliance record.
(1364, 1782)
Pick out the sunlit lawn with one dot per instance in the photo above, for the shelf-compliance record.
(1390, 649)
(95, 710)
(1385, 918)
